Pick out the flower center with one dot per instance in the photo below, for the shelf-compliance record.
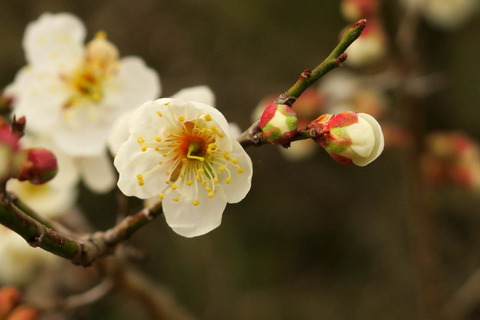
(100, 64)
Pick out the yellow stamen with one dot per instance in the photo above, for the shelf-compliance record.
(195, 202)
(234, 160)
(211, 194)
(228, 180)
(208, 117)
(215, 180)
(181, 118)
(159, 114)
(144, 148)
(158, 139)
(189, 182)
(239, 170)
(176, 199)
(161, 195)
(201, 170)
(174, 187)
(140, 140)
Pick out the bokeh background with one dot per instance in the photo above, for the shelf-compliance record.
(313, 239)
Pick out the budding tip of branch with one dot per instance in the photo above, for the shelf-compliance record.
(360, 24)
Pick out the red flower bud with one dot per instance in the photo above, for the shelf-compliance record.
(279, 123)
(9, 298)
(36, 165)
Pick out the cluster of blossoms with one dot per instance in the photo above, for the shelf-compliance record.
(452, 158)
(12, 308)
(72, 93)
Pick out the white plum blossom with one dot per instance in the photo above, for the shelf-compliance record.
(182, 152)
(72, 91)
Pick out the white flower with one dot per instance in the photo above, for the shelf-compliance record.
(183, 153)
(75, 92)
(20, 262)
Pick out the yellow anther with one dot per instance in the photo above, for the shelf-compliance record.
(140, 140)
(182, 175)
(160, 162)
(174, 187)
(211, 194)
(157, 148)
(213, 128)
(167, 181)
(220, 135)
(208, 189)
(239, 170)
(197, 177)
(195, 202)
(158, 139)
(215, 180)
(181, 118)
(176, 199)
(234, 160)
(220, 168)
(189, 182)
(226, 156)
(159, 114)
(144, 148)
(164, 154)
(200, 171)
(208, 117)
(139, 176)
(141, 182)
(166, 103)
(228, 180)
(212, 145)
(204, 182)
(161, 195)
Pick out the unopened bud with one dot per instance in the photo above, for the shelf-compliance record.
(9, 298)
(36, 165)
(279, 123)
(9, 145)
(23, 313)
(349, 137)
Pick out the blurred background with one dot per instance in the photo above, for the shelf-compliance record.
(313, 239)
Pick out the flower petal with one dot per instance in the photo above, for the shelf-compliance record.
(134, 84)
(201, 94)
(379, 141)
(190, 221)
(97, 173)
(54, 42)
(130, 162)
(241, 180)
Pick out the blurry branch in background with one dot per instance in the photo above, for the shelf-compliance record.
(86, 249)
(465, 300)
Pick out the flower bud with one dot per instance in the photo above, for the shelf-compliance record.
(9, 299)
(24, 313)
(279, 123)
(9, 145)
(36, 165)
(357, 9)
(349, 137)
